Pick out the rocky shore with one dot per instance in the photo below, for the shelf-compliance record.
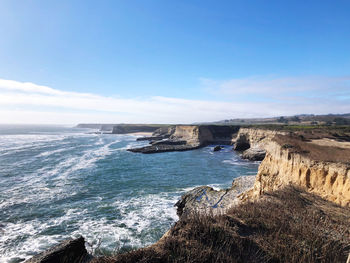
(68, 251)
(187, 137)
(296, 209)
(205, 199)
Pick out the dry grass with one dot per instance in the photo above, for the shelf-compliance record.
(285, 226)
(302, 144)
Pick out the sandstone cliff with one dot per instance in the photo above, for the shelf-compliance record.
(284, 166)
(205, 134)
(190, 137)
(318, 166)
(254, 138)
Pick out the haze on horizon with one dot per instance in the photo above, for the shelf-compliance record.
(69, 62)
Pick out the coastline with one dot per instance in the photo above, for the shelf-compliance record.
(284, 151)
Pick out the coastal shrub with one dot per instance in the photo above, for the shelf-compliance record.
(289, 225)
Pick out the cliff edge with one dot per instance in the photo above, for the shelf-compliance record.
(297, 209)
(189, 137)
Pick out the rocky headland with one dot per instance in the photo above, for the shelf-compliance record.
(188, 137)
(296, 209)
(134, 128)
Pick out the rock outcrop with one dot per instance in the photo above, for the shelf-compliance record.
(68, 251)
(254, 138)
(189, 137)
(217, 148)
(320, 166)
(284, 166)
(205, 199)
(254, 154)
(166, 147)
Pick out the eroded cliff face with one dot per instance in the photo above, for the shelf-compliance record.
(282, 167)
(205, 134)
(254, 138)
(322, 170)
(188, 133)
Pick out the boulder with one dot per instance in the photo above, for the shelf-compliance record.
(217, 148)
(206, 199)
(68, 251)
(254, 154)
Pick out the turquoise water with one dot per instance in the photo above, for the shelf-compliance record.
(58, 182)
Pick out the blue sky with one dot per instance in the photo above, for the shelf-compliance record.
(172, 61)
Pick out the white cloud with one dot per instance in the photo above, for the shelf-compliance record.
(22, 102)
(276, 86)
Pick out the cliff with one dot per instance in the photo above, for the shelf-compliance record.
(205, 199)
(291, 213)
(322, 170)
(317, 161)
(254, 138)
(189, 137)
(131, 128)
(205, 134)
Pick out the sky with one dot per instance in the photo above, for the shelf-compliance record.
(183, 61)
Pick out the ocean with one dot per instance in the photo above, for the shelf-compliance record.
(58, 182)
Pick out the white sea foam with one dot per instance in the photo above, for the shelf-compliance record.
(48, 153)
(216, 187)
(138, 214)
(237, 162)
(71, 164)
(134, 144)
(60, 163)
(31, 240)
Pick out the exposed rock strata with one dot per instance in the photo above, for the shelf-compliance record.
(159, 134)
(206, 199)
(165, 132)
(283, 166)
(189, 137)
(254, 138)
(320, 167)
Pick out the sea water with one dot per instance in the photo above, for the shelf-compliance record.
(59, 182)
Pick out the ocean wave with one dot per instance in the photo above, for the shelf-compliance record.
(139, 217)
(67, 185)
(74, 162)
(237, 162)
(31, 240)
(48, 153)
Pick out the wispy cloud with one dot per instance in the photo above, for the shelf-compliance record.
(280, 86)
(23, 102)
